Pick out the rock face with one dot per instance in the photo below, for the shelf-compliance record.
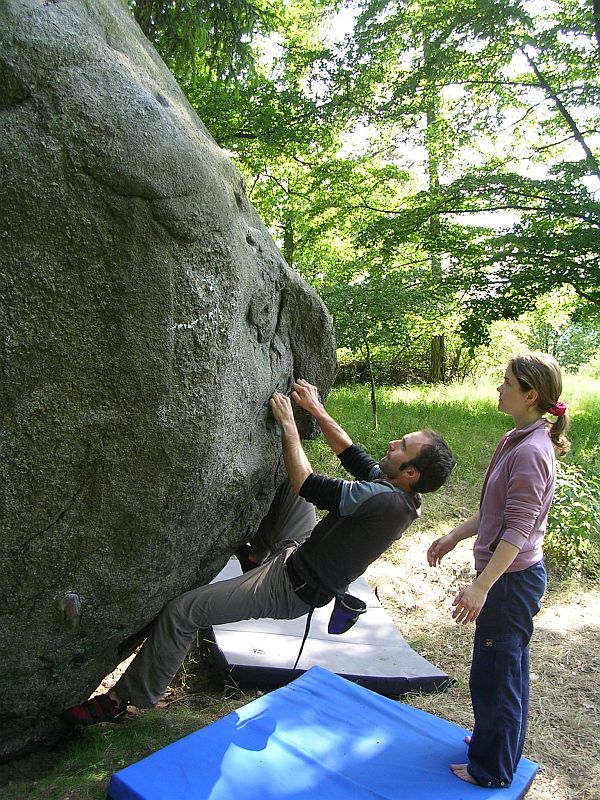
(146, 317)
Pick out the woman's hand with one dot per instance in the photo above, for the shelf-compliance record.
(444, 544)
(468, 603)
(470, 599)
(439, 548)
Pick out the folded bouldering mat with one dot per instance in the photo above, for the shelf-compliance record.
(319, 737)
(261, 653)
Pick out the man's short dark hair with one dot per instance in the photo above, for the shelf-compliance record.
(435, 463)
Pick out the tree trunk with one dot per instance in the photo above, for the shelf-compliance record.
(288, 243)
(564, 112)
(455, 365)
(372, 382)
(437, 370)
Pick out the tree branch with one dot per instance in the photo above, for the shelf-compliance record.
(589, 297)
(563, 111)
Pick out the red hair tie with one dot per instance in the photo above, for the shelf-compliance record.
(558, 409)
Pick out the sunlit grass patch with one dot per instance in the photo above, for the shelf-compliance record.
(582, 396)
(465, 415)
(83, 764)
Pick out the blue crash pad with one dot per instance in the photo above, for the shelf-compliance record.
(320, 736)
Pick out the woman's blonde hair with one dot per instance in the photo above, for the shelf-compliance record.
(541, 371)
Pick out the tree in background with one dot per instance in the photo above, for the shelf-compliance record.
(219, 52)
(501, 91)
(449, 148)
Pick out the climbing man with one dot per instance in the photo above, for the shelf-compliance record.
(311, 563)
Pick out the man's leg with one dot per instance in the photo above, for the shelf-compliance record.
(263, 592)
(289, 519)
(267, 593)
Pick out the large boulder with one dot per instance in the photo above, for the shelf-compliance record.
(146, 316)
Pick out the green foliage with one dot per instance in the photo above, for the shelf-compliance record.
(82, 766)
(592, 368)
(572, 543)
(409, 363)
(556, 243)
(502, 99)
(434, 172)
(254, 103)
(200, 34)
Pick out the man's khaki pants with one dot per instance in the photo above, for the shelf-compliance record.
(262, 592)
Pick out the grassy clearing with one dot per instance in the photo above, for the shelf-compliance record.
(466, 415)
(564, 735)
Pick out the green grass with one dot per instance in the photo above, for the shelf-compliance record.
(583, 400)
(81, 767)
(465, 415)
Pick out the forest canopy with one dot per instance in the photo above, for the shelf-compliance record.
(431, 169)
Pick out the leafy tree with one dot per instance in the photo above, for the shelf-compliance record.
(520, 80)
(469, 107)
(212, 37)
(216, 51)
(553, 329)
(556, 243)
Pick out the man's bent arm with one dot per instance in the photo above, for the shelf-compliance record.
(295, 459)
(307, 397)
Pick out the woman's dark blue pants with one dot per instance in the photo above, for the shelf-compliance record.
(499, 680)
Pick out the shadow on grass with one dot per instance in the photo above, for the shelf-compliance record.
(81, 765)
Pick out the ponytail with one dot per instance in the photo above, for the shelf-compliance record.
(557, 431)
(540, 371)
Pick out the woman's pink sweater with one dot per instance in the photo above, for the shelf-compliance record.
(516, 495)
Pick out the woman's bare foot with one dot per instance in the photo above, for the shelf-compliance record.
(461, 771)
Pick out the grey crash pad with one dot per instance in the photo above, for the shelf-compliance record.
(261, 653)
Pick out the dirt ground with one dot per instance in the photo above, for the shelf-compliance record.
(564, 724)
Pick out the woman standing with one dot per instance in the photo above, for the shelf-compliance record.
(511, 577)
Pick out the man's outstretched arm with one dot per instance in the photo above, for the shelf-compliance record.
(296, 462)
(307, 397)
